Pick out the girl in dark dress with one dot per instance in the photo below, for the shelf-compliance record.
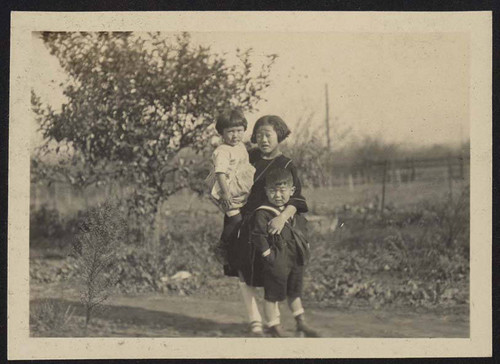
(269, 131)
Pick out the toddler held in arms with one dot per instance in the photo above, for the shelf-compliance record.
(232, 175)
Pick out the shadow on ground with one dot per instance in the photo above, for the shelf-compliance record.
(112, 320)
(175, 316)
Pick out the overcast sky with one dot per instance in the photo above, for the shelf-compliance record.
(407, 88)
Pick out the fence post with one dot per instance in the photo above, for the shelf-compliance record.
(450, 177)
(393, 172)
(461, 159)
(398, 176)
(382, 206)
(34, 196)
(413, 173)
(351, 182)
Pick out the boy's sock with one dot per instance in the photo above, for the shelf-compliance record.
(248, 293)
(271, 311)
(295, 305)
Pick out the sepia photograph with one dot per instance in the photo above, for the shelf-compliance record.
(194, 181)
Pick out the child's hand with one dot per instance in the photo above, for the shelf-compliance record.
(226, 200)
(276, 225)
(269, 256)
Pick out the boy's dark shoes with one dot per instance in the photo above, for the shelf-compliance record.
(277, 331)
(304, 330)
(307, 331)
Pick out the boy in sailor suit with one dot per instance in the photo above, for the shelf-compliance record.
(283, 255)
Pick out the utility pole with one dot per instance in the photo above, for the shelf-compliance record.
(461, 151)
(327, 121)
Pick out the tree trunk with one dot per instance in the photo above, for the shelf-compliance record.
(384, 175)
(156, 241)
(88, 315)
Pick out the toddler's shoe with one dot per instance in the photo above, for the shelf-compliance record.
(220, 253)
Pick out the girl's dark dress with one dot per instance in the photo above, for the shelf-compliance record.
(241, 254)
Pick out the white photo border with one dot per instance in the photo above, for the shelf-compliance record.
(479, 27)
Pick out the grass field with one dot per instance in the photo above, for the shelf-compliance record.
(320, 200)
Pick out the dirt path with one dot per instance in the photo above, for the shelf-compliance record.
(155, 315)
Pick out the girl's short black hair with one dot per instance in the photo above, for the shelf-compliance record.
(230, 119)
(276, 122)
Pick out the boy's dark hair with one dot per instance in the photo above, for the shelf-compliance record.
(279, 176)
(229, 119)
(276, 122)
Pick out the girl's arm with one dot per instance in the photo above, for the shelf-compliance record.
(278, 223)
(221, 159)
(297, 200)
(296, 204)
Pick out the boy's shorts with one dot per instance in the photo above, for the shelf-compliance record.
(284, 276)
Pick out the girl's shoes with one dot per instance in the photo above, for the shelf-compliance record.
(256, 329)
(277, 331)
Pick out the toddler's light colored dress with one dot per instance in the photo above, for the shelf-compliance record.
(233, 162)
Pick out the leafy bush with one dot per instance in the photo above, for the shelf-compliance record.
(184, 246)
(403, 257)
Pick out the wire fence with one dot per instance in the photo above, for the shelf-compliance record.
(396, 171)
(383, 182)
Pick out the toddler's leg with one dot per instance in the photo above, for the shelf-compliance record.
(295, 304)
(271, 310)
(231, 224)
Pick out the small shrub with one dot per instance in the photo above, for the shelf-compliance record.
(51, 316)
(453, 217)
(96, 249)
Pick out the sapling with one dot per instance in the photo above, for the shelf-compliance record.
(96, 247)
